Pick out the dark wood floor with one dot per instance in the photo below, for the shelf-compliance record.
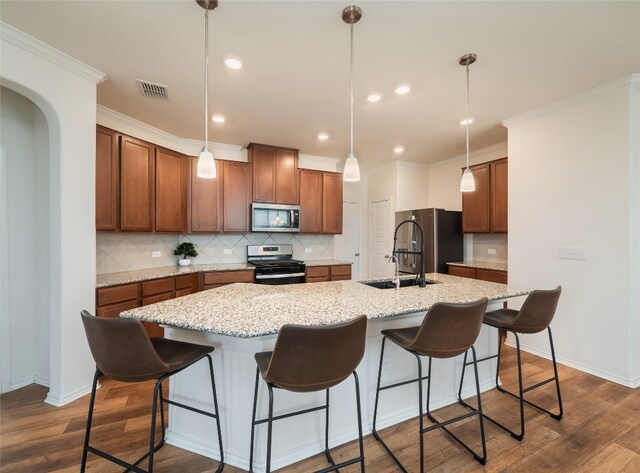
(599, 433)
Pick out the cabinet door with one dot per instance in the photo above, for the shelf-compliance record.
(475, 205)
(263, 160)
(499, 196)
(286, 176)
(237, 196)
(462, 272)
(137, 196)
(310, 201)
(206, 200)
(171, 191)
(331, 203)
(107, 179)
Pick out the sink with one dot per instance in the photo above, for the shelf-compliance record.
(388, 284)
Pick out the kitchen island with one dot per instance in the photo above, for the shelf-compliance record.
(243, 319)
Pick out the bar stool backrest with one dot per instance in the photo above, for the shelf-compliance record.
(537, 311)
(449, 329)
(122, 349)
(313, 358)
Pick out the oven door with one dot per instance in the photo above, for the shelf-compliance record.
(277, 279)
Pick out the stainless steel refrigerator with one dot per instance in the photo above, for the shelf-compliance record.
(442, 238)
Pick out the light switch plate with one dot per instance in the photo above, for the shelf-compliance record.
(156, 254)
(307, 250)
(227, 251)
(491, 251)
(575, 253)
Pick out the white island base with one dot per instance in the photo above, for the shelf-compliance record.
(300, 437)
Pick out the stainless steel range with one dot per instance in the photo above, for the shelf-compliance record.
(275, 264)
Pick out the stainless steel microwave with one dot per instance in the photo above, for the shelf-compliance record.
(275, 218)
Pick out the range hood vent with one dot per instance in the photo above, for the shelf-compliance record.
(156, 91)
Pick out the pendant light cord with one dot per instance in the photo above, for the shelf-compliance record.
(467, 116)
(351, 68)
(206, 77)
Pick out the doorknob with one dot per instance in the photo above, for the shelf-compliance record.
(357, 254)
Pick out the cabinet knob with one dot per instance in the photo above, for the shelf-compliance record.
(357, 254)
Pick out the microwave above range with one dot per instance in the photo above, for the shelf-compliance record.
(275, 218)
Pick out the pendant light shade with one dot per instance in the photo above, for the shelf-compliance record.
(206, 164)
(351, 15)
(467, 183)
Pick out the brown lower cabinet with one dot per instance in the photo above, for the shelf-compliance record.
(110, 301)
(222, 278)
(340, 272)
(490, 275)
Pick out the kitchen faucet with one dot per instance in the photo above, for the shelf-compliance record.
(396, 279)
(422, 282)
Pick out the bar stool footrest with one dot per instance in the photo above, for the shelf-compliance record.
(555, 416)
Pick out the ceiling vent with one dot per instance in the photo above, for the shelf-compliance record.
(156, 91)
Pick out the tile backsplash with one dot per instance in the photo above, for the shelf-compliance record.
(477, 247)
(117, 252)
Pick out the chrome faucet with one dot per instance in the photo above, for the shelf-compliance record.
(396, 279)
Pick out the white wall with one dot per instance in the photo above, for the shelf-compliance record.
(570, 185)
(25, 137)
(65, 91)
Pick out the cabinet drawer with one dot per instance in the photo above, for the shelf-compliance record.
(319, 279)
(492, 276)
(157, 286)
(341, 270)
(227, 277)
(462, 272)
(115, 309)
(117, 294)
(345, 277)
(186, 281)
(158, 298)
(184, 292)
(317, 272)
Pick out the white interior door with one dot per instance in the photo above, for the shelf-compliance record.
(381, 236)
(348, 244)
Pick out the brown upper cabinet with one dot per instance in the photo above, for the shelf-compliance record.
(206, 200)
(236, 189)
(320, 202)
(171, 185)
(107, 179)
(485, 209)
(137, 185)
(275, 174)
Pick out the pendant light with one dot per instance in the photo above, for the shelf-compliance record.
(351, 15)
(206, 164)
(468, 183)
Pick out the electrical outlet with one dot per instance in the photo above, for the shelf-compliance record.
(575, 253)
(308, 250)
(156, 254)
(227, 251)
(491, 251)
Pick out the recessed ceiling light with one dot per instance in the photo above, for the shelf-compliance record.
(232, 62)
(403, 89)
(218, 118)
(464, 121)
(323, 136)
(374, 97)
(398, 149)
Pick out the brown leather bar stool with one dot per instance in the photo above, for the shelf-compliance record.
(535, 316)
(123, 351)
(309, 359)
(448, 330)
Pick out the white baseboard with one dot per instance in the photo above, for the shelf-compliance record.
(630, 383)
(58, 401)
(240, 459)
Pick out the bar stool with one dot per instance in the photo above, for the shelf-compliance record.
(309, 359)
(124, 352)
(447, 330)
(535, 316)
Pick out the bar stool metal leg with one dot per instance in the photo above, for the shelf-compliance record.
(253, 420)
(360, 436)
(87, 434)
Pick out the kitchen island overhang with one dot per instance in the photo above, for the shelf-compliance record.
(243, 319)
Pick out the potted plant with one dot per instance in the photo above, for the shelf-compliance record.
(185, 250)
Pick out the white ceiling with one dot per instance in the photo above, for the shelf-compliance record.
(294, 83)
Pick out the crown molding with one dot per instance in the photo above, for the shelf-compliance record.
(319, 163)
(473, 154)
(632, 80)
(35, 46)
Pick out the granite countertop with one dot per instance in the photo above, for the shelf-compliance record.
(481, 265)
(113, 279)
(326, 262)
(248, 310)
